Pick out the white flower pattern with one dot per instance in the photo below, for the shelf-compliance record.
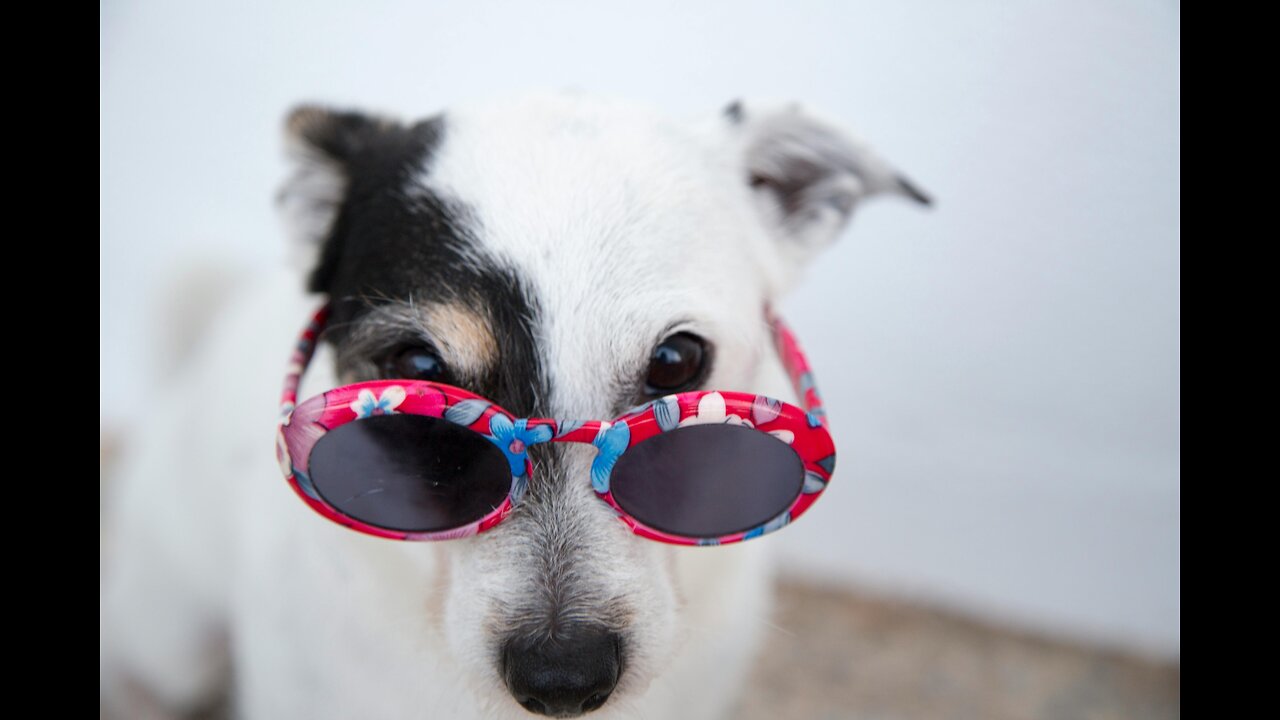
(366, 406)
(711, 410)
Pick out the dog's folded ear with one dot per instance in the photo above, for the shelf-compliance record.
(330, 151)
(806, 175)
(321, 144)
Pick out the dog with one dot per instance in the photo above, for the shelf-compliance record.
(535, 252)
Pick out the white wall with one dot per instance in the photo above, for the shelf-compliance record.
(1002, 372)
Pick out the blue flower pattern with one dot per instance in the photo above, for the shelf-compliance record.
(611, 441)
(305, 483)
(515, 438)
(774, 524)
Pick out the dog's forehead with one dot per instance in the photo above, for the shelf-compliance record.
(614, 187)
(620, 223)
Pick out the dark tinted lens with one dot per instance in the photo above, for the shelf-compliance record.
(410, 472)
(707, 480)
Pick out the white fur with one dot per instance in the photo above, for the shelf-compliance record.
(622, 222)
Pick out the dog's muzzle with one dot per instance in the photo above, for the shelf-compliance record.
(563, 678)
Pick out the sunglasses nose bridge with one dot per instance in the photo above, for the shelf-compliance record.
(608, 438)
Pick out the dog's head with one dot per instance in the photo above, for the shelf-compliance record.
(566, 258)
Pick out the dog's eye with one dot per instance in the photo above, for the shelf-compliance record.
(677, 364)
(414, 363)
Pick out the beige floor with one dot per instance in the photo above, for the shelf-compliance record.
(837, 655)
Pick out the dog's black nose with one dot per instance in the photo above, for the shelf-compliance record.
(563, 678)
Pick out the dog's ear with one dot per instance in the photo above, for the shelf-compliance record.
(806, 175)
(326, 149)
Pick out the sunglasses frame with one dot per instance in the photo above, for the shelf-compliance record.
(803, 429)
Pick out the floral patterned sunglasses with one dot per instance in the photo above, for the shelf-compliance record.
(419, 460)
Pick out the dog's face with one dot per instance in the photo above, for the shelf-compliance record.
(565, 258)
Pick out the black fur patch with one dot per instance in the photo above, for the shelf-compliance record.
(392, 242)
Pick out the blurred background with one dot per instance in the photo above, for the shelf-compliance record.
(1002, 372)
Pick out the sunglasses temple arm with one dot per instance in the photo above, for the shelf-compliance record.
(797, 367)
(301, 358)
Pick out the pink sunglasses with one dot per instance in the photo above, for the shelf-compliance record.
(418, 460)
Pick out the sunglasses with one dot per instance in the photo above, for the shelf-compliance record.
(419, 460)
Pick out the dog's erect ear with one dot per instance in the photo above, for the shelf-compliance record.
(807, 176)
(325, 147)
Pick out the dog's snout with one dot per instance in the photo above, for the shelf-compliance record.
(563, 678)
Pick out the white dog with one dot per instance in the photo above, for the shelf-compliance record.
(537, 253)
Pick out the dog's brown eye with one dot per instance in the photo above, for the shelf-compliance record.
(677, 364)
(414, 363)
